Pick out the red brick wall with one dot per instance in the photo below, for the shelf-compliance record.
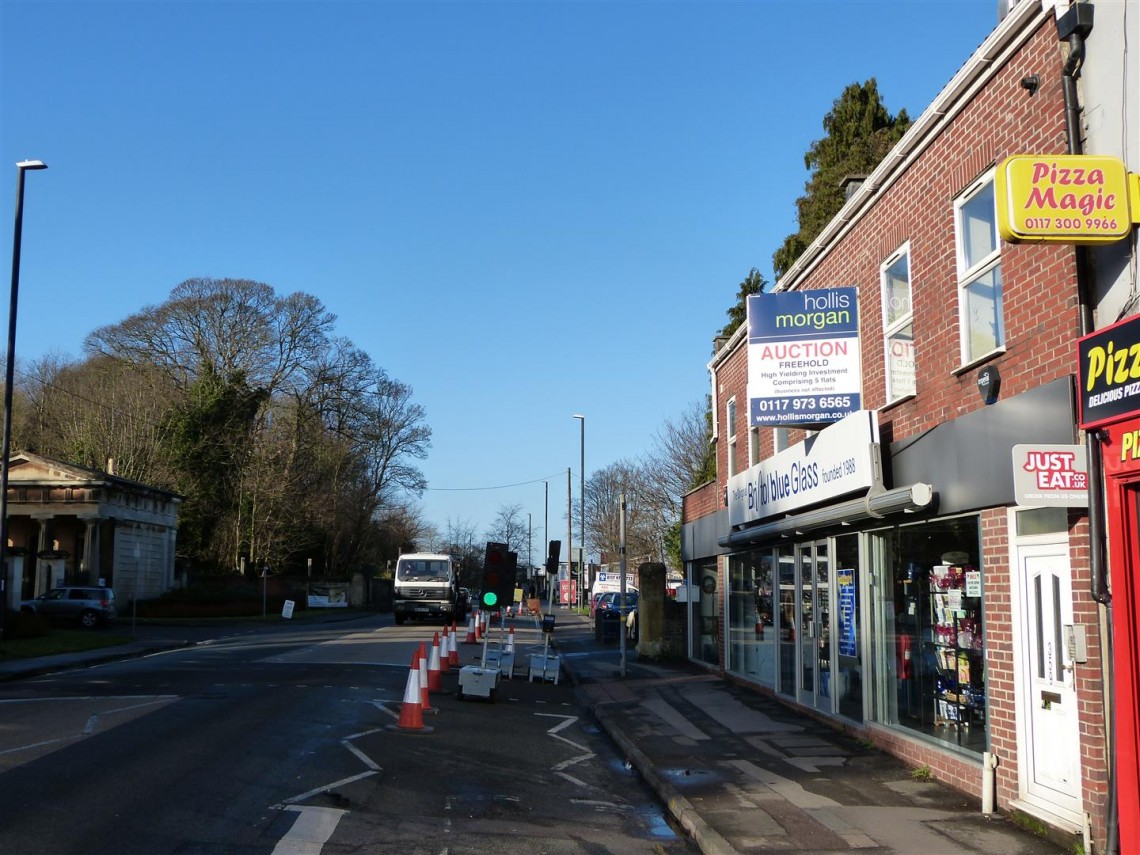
(700, 502)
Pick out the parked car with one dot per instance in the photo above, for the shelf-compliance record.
(609, 607)
(89, 606)
(608, 604)
(594, 600)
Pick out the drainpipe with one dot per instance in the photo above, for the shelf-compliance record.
(989, 783)
(1073, 27)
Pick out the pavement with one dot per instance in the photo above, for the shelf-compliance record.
(738, 770)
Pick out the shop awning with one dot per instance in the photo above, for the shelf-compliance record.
(875, 505)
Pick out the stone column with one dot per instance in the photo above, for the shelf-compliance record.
(40, 567)
(91, 549)
(650, 609)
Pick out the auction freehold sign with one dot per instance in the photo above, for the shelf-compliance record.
(804, 366)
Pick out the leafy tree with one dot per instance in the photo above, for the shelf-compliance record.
(210, 443)
(859, 132)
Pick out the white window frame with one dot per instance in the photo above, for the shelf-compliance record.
(753, 446)
(968, 274)
(891, 328)
(730, 430)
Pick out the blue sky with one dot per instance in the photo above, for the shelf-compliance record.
(524, 210)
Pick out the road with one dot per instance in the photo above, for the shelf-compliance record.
(282, 739)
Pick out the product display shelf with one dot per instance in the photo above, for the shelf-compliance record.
(959, 694)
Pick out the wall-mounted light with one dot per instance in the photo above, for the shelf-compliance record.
(1030, 82)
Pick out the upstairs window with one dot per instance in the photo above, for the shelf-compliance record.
(980, 311)
(898, 324)
(780, 439)
(730, 430)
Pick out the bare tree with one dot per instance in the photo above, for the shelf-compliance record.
(604, 487)
(234, 325)
(676, 462)
(510, 527)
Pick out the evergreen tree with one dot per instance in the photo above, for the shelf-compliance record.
(754, 283)
(859, 132)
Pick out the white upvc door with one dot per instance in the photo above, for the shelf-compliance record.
(1048, 723)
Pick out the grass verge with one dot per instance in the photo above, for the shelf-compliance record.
(58, 641)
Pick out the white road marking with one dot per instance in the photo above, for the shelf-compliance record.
(364, 758)
(323, 788)
(310, 832)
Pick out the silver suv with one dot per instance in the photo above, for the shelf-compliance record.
(90, 606)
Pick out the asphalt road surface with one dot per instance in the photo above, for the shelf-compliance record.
(283, 739)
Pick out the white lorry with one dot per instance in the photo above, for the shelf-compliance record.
(427, 586)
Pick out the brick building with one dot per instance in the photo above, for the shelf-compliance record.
(889, 571)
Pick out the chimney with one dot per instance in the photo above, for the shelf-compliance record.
(850, 184)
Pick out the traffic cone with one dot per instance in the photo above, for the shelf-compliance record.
(510, 648)
(453, 650)
(411, 712)
(471, 639)
(434, 666)
(421, 660)
(445, 651)
(480, 623)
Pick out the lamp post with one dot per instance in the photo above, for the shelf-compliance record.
(9, 367)
(582, 503)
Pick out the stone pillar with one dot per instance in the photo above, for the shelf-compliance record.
(91, 549)
(650, 609)
(40, 567)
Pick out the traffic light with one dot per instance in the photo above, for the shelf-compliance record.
(498, 588)
(552, 555)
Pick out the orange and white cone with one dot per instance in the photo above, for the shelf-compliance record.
(471, 639)
(411, 711)
(510, 648)
(421, 659)
(434, 666)
(444, 651)
(480, 624)
(453, 650)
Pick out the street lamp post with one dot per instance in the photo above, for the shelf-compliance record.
(9, 367)
(582, 502)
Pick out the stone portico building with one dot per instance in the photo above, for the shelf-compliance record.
(69, 525)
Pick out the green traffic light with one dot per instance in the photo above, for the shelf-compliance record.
(490, 598)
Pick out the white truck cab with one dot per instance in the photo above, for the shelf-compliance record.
(426, 585)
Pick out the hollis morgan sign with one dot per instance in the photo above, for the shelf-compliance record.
(804, 365)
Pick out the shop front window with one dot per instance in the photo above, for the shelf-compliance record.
(786, 617)
(848, 644)
(752, 634)
(929, 631)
